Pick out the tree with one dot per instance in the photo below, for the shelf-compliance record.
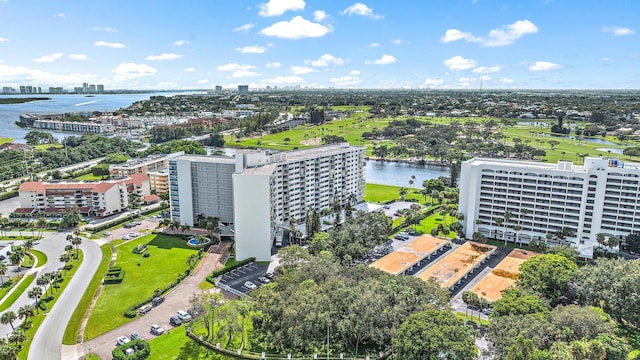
(3, 271)
(547, 275)
(433, 334)
(8, 317)
(499, 222)
(16, 256)
(244, 310)
(65, 258)
(514, 301)
(26, 311)
(76, 242)
(35, 293)
(632, 242)
(403, 192)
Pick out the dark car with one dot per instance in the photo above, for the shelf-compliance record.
(135, 336)
(175, 320)
(157, 301)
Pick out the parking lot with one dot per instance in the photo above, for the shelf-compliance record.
(237, 278)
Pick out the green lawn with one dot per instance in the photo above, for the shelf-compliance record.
(377, 193)
(8, 283)
(5, 140)
(42, 257)
(71, 332)
(89, 177)
(39, 318)
(473, 318)
(17, 292)
(142, 276)
(28, 261)
(433, 221)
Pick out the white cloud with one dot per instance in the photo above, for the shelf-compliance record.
(301, 70)
(607, 59)
(180, 43)
(20, 74)
(284, 80)
(543, 66)
(3, 39)
(347, 80)
(354, 72)
(242, 73)
(326, 60)
(296, 28)
(251, 49)
(319, 15)
(618, 31)
(164, 57)
(506, 81)
(432, 82)
(190, 69)
(279, 7)
(362, 10)
(273, 65)
(459, 63)
(126, 71)
(384, 60)
(235, 67)
(374, 44)
(166, 85)
(49, 58)
(245, 27)
(59, 15)
(502, 36)
(106, 29)
(486, 69)
(465, 81)
(78, 57)
(203, 81)
(396, 41)
(102, 43)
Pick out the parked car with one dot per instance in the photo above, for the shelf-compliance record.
(175, 320)
(157, 329)
(145, 309)
(126, 237)
(135, 336)
(184, 316)
(128, 225)
(249, 285)
(136, 223)
(133, 234)
(487, 311)
(264, 280)
(106, 233)
(157, 301)
(122, 340)
(270, 275)
(386, 207)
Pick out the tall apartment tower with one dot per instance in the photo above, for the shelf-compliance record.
(260, 192)
(243, 89)
(602, 196)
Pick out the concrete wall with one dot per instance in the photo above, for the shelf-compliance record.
(252, 213)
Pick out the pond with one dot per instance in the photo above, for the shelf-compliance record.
(399, 173)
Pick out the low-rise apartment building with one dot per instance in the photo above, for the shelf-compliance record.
(601, 196)
(102, 198)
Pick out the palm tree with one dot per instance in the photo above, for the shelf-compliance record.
(507, 217)
(65, 258)
(613, 242)
(184, 228)
(213, 228)
(191, 260)
(8, 317)
(600, 238)
(17, 337)
(43, 281)
(3, 271)
(499, 222)
(41, 224)
(26, 311)
(16, 256)
(403, 192)
(199, 219)
(35, 293)
(68, 248)
(174, 225)
(76, 242)
(517, 229)
(244, 310)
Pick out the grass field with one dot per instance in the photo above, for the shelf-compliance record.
(28, 261)
(43, 147)
(38, 319)
(71, 332)
(433, 221)
(17, 292)
(472, 318)
(8, 284)
(5, 140)
(89, 177)
(42, 257)
(142, 276)
(377, 193)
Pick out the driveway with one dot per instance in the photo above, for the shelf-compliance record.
(178, 299)
(47, 342)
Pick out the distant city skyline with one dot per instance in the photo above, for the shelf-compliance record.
(532, 44)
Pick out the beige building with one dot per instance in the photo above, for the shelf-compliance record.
(102, 198)
(154, 166)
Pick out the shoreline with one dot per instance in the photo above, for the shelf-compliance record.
(421, 162)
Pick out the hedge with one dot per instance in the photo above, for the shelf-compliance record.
(9, 195)
(114, 277)
(116, 267)
(226, 269)
(142, 249)
(142, 350)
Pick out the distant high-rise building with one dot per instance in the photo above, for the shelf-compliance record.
(100, 88)
(55, 90)
(92, 88)
(7, 90)
(243, 89)
(218, 89)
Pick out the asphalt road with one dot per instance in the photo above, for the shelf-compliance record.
(51, 244)
(47, 342)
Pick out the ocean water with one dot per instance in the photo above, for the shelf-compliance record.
(9, 113)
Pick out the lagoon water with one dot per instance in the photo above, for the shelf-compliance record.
(399, 173)
(9, 113)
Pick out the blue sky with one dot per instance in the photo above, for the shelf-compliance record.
(552, 44)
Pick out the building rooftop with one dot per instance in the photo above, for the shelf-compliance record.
(405, 257)
(208, 158)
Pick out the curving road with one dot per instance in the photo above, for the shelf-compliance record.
(47, 342)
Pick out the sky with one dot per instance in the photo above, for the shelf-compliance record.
(374, 44)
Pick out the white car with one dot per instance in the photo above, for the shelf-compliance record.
(133, 234)
(184, 316)
(126, 237)
(157, 329)
(122, 340)
(249, 285)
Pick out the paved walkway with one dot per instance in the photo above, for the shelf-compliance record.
(178, 299)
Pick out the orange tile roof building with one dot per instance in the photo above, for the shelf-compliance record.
(101, 198)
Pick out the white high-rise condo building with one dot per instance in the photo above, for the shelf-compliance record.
(264, 191)
(602, 196)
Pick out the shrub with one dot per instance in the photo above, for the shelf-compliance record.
(146, 254)
(141, 348)
(42, 305)
(130, 314)
(113, 278)
(47, 298)
(226, 269)
(115, 268)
